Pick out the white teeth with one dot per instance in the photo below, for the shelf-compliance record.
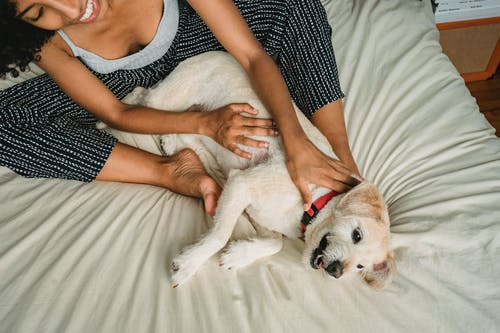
(89, 10)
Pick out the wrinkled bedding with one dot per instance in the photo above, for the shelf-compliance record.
(78, 257)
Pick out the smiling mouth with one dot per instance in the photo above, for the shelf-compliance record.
(91, 11)
(316, 260)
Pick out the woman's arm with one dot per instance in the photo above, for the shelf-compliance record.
(331, 123)
(306, 164)
(225, 125)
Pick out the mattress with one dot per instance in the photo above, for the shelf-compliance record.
(78, 257)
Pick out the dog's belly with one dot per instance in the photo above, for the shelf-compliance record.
(217, 160)
(277, 208)
(285, 224)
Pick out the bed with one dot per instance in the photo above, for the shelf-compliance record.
(78, 257)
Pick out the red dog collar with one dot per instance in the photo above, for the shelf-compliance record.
(316, 206)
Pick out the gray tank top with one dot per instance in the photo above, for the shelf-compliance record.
(153, 51)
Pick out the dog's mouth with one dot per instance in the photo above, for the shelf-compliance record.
(316, 260)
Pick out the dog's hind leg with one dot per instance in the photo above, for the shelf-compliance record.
(233, 201)
(241, 253)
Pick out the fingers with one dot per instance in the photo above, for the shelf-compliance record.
(243, 107)
(327, 182)
(321, 170)
(338, 180)
(245, 141)
(257, 122)
(258, 131)
(240, 108)
(240, 152)
(237, 130)
(334, 184)
(306, 194)
(344, 174)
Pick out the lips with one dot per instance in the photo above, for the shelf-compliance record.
(91, 11)
(316, 260)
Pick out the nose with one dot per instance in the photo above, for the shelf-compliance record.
(69, 8)
(335, 269)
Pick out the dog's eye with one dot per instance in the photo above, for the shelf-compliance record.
(360, 266)
(356, 236)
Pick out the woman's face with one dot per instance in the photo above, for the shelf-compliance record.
(57, 14)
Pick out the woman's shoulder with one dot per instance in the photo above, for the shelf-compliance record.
(54, 51)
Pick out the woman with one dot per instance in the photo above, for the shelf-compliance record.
(102, 49)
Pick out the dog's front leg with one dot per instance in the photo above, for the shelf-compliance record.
(233, 201)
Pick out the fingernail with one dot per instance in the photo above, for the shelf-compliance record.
(306, 207)
(276, 133)
(264, 145)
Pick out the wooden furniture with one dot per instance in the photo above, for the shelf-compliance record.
(473, 46)
(487, 94)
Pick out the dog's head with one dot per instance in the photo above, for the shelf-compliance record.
(352, 235)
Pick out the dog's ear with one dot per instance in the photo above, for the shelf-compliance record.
(364, 200)
(381, 274)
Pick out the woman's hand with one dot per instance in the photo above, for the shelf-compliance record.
(306, 164)
(228, 127)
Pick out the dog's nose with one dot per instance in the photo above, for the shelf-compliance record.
(335, 269)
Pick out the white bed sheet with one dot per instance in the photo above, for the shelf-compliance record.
(94, 257)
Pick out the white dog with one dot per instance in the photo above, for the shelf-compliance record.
(350, 232)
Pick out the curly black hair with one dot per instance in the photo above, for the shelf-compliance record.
(20, 42)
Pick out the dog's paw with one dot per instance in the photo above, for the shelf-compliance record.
(183, 268)
(237, 255)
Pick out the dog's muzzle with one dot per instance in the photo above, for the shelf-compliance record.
(335, 268)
